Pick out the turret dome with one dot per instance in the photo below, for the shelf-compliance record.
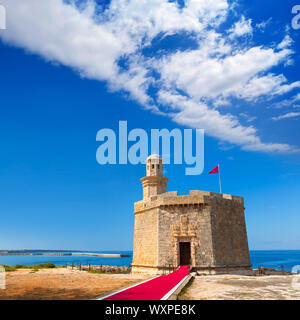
(154, 157)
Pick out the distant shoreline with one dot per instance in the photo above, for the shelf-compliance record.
(61, 253)
(264, 258)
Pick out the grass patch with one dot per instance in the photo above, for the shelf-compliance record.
(20, 266)
(95, 271)
(36, 267)
(34, 271)
(8, 268)
(243, 293)
(184, 289)
(47, 265)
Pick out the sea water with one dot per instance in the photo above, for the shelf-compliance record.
(275, 258)
(12, 260)
(264, 258)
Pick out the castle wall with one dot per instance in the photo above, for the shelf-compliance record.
(214, 224)
(229, 234)
(185, 224)
(146, 238)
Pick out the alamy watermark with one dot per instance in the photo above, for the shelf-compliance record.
(183, 143)
(296, 19)
(2, 278)
(2, 17)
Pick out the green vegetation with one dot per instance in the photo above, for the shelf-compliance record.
(35, 267)
(20, 266)
(47, 265)
(34, 271)
(8, 268)
(184, 289)
(95, 271)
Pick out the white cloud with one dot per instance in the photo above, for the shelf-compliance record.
(286, 42)
(226, 128)
(241, 28)
(208, 76)
(262, 26)
(61, 33)
(286, 116)
(288, 102)
(270, 84)
(247, 117)
(201, 75)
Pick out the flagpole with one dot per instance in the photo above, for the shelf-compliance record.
(220, 178)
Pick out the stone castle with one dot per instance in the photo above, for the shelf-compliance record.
(205, 230)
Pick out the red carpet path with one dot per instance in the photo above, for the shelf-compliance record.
(154, 289)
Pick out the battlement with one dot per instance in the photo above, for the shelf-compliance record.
(195, 197)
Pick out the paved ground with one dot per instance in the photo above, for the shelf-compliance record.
(63, 284)
(232, 287)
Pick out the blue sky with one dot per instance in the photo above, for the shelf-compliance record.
(231, 68)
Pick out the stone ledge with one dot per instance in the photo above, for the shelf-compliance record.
(174, 295)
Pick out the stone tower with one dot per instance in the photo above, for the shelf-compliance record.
(154, 183)
(203, 229)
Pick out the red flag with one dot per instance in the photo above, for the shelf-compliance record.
(214, 170)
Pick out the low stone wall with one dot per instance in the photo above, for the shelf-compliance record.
(104, 269)
(238, 270)
(149, 270)
(261, 271)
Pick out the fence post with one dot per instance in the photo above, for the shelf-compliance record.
(282, 269)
